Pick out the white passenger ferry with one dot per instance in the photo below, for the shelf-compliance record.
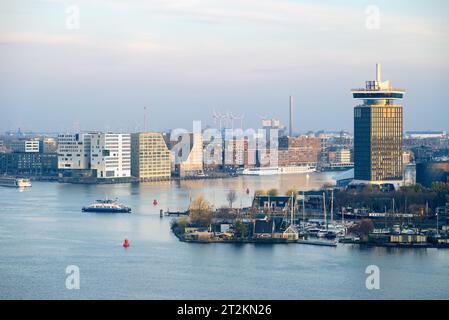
(15, 182)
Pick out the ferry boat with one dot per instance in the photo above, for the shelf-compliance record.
(111, 206)
(267, 171)
(15, 182)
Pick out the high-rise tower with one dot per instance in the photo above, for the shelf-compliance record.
(378, 133)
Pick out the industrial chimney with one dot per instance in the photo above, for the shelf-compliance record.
(291, 117)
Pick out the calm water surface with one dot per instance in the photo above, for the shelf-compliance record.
(42, 230)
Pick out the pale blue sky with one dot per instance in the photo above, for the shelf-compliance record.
(183, 58)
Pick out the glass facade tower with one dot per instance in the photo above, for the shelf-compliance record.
(378, 132)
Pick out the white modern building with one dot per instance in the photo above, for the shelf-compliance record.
(74, 151)
(111, 155)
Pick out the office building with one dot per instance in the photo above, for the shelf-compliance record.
(29, 164)
(378, 122)
(110, 155)
(150, 157)
(74, 151)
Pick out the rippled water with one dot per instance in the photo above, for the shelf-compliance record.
(42, 230)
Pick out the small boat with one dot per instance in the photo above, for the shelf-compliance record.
(15, 182)
(111, 206)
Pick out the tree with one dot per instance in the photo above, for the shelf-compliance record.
(289, 192)
(273, 192)
(240, 230)
(231, 197)
(178, 225)
(200, 212)
(362, 228)
(260, 192)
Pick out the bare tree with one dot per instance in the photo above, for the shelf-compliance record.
(231, 197)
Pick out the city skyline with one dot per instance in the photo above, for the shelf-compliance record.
(182, 60)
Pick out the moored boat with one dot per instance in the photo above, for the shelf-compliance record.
(15, 182)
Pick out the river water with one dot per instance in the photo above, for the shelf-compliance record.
(42, 231)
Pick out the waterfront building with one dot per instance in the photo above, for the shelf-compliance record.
(240, 151)
(150, 157)
(378, 126)
(343, 156)
(110, 155)
(234, 152)
(73, 152)
(29, 163)
(193, 164)
(186, 154)
(299, 150)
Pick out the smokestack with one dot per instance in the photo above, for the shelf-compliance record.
(291, 117)
(378, 72)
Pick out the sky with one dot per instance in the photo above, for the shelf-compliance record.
(94, 65)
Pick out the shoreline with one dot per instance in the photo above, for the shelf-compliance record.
(127, 180)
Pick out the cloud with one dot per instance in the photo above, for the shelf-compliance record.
(141, 43)
(42, 38)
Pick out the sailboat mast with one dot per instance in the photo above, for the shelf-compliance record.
(324, 209)
(303, 207)
(291, 211)
(332, 207)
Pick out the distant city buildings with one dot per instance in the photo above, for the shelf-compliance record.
(378, 129)
(29, 145)
(299, 150)
(98, 155)
(425, 134)
(377, 153)
(150, 157)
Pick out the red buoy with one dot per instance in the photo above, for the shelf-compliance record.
(126, 243)
(155, 202)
